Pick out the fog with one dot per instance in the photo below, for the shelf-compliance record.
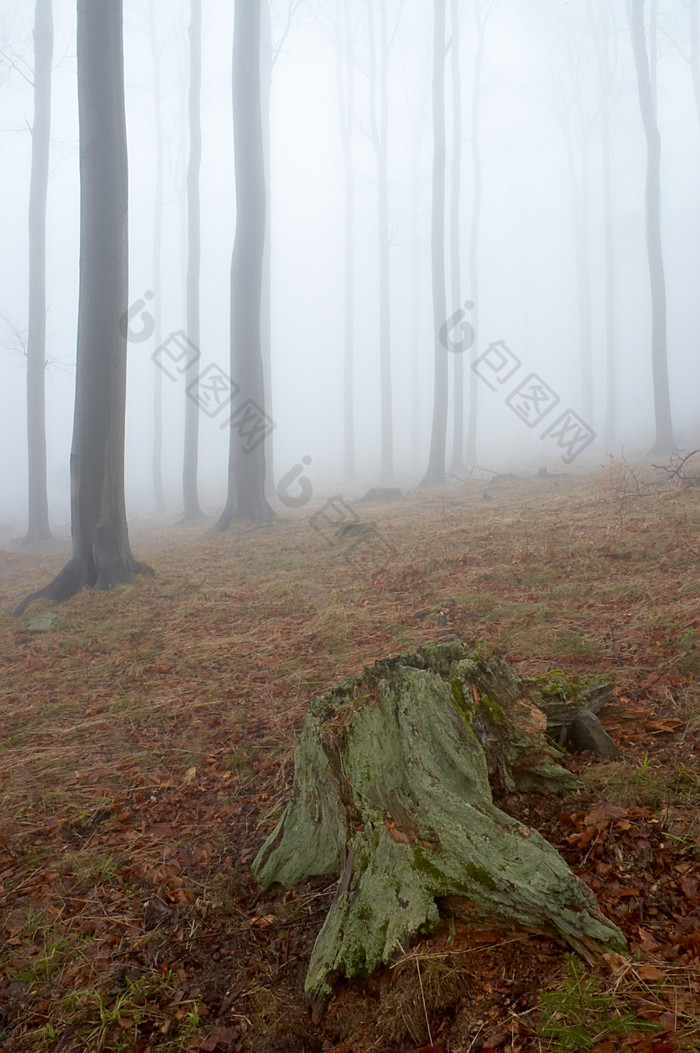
(540, 77)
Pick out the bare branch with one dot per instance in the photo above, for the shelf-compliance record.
(16, 62)
(15, 338)
(291, 11)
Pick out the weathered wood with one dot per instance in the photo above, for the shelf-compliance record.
(508, 721)
(391, 790)
(570, 704)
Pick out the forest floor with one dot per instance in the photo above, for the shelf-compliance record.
(146, 750)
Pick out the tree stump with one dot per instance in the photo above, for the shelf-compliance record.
(391, 790)
(571, 705)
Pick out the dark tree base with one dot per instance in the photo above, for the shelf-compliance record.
(36, 536)
(254, 512)
(76, 576)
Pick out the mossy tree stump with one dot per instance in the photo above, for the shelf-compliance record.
(391, 791)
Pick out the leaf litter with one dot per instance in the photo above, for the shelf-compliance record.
(146, 743)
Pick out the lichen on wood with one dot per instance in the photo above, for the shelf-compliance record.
(391, 791)
(571, 705)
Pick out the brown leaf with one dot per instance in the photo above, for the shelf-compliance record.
(650, 972)
(400, 836)
(689, 887)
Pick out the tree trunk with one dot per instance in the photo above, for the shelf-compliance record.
(695, 52)
(579, 194)
(101, 555)
(246, 473)
(157, 463)
(38, 504)
(345, 65)
(475, 226)
(435, 473)
(379, 124)
(190, 495)
(457, 460)
(417, 254)
(391, 788)
(266, 63)
(664, 442)
(610, 420)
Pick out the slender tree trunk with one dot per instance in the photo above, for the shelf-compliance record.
(610, 422)
(379, 121)
(345, 64)
(695, 51)
(246, 475)
(266, 60)
(435, 473)
(653, 49)
(101, 555)
(602, 34)
(472, 422)
(584, 277)
(416, 290)
(664, 441)
(38, 504)
(157, 466)
(457, 461)
(579, 195)
(190, 495)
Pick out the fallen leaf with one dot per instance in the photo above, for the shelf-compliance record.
(689, 887)
(650, 972)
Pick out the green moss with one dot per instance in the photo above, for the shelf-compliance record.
(441, 657)
(480, 876)
(494, 711)
(425, 864)
(560, 688)
(555, 685)
(460, 702)
(395, 794)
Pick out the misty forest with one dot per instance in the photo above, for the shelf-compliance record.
(350, 526)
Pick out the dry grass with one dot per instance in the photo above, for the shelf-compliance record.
(146, 746)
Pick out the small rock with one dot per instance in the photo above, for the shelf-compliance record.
(42, 623)
(382, 493)
(356, 526)
(587, 733)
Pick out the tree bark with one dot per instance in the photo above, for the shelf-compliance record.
(664, 442)
(603, 37)
(190, 493)
(580, 207)
(435, 473)
(379, 125)
(417, 255)
(101, 555)
(695, 52)
(267, 58)
(38, 504)
(457, 460)
(391, 789)
(246, 473)
(157, 462)
(345, 65)
(472, 423)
